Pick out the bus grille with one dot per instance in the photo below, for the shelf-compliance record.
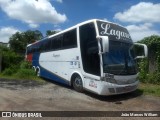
(125, 89)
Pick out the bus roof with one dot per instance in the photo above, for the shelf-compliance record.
(79, 24)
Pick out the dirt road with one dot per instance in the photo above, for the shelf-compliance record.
(28, 96)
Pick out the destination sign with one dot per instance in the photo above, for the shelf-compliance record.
(113, 31)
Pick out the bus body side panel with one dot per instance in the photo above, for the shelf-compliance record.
(58, 65)
(51, 76)
(44, 72)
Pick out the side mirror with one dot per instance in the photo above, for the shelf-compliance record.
(104, 43)
(144, 48)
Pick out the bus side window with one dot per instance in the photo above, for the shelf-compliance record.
(47, 45)
(41, 46)
(70, 39)
(56, 42)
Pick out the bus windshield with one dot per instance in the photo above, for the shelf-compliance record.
(120, 59)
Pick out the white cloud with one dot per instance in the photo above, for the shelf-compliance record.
(138, 32)
(32, 12)
(32, 25)
(6, 33)
(141, 27)
(60, 1)
(144, 15)
(142, 12)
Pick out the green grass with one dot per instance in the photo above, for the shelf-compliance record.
(23, 73)
(14, 77)
(149, 89)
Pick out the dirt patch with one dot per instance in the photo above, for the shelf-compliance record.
(29, 95)
(14, 84)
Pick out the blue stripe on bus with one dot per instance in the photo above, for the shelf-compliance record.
(45, 73)
(51, 76)
(35, 59)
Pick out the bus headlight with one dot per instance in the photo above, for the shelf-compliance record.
(109, 78)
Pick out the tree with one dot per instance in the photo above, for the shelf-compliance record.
(19, 41)
(51, 32)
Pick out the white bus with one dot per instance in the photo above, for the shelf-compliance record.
(94, 55)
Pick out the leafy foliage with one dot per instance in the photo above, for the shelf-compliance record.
(25, 73)
(10, 59)
(143, 70)
(51, 32)
(152, 75)
(22, 71)
(8, 72)
(25, 65)
(19, 41)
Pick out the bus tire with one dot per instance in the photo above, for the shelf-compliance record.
(77, 83)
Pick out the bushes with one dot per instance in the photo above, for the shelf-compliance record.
(150, 69)
(8, 72)
(25, 73)
(10, 59)
(153, 78)
(13, 64)
(25, 65)
(143, 72)
(22, 70)
(147, 76)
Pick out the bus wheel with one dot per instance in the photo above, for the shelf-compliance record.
(77, 83)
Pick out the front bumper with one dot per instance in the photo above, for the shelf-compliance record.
(105, 88)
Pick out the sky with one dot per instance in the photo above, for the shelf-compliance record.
(140, 17)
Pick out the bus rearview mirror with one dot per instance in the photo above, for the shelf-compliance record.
(141, 47)
(104, 44)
